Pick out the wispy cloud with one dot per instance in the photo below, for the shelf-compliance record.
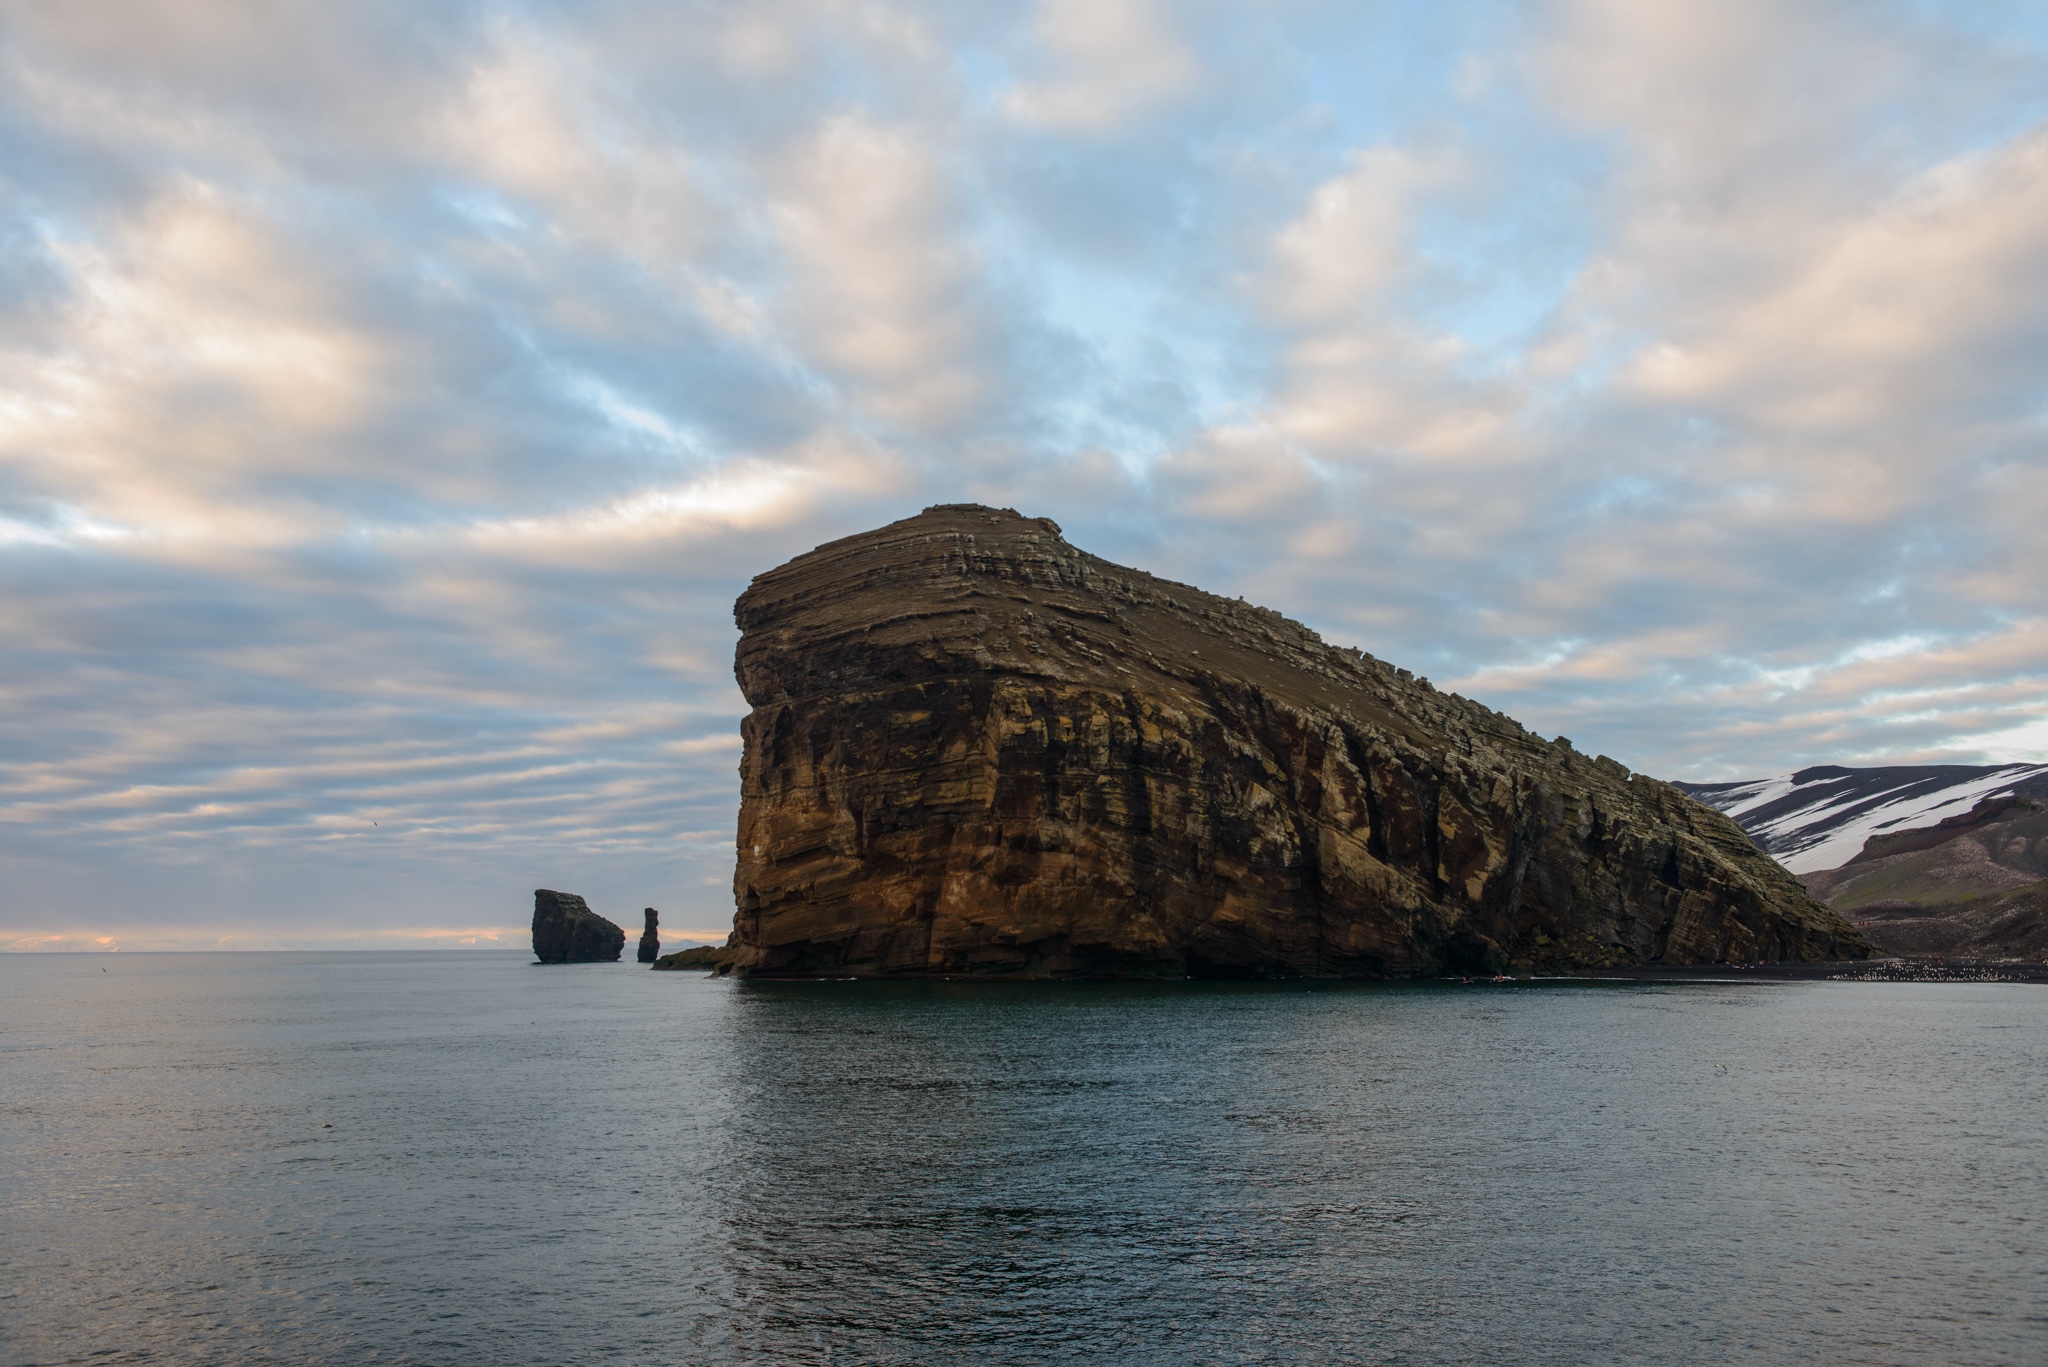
(1110, 61)
(393, 401)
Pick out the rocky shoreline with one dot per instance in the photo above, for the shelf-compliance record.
(718, 960)
(712, 958)
(1899, 970)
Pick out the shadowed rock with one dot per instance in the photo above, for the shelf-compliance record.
(567, 931)
(650, 943)
(975, 749)
(713, 958)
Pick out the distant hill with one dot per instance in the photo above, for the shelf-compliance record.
(1975, 885)
(1819, 818)
(1926, 859)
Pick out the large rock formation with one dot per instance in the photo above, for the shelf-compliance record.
(975, 749)
(567, 931)
(650, 942)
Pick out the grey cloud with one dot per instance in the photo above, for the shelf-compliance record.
(396, 400)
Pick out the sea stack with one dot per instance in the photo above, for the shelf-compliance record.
(567, 931)
(650, 943)
(977, 750)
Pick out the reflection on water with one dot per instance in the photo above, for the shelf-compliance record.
(598, 1163)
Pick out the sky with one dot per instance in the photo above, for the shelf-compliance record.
(394, 398)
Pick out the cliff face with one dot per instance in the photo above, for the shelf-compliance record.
(975, 749)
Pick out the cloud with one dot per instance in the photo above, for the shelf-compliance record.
(1351, 251)
(1113, 60)
(1870, 329)
(191, 336)
(885, 288)
(534, 124)
(393, 402)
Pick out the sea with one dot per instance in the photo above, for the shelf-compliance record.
(469, 1158)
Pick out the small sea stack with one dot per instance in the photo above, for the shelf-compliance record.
(650, 943)
(567, 931)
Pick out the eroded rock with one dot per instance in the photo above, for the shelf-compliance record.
(975, 749)
(711, 958)
(567, 931)
(650, 943)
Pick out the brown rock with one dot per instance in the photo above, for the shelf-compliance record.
(975, 749)
(650, 943)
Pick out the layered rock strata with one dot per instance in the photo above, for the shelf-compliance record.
(975, 749)
(650, 942)
(567, 931)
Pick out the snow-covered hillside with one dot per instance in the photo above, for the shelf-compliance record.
(1819, 818)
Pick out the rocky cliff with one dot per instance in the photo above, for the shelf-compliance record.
(975, 749)
(567, 931)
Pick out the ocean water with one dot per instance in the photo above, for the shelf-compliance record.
(464, 1158)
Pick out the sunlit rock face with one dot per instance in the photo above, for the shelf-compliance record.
(977, 750)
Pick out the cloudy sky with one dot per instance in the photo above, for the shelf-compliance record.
(393, 398)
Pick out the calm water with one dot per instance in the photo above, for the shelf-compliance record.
(603, 1164)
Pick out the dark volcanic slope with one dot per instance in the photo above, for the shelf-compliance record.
(1819, 818)
(1974, 885)
(976, 749)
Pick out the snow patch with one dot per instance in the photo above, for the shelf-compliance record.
(1848, 806)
